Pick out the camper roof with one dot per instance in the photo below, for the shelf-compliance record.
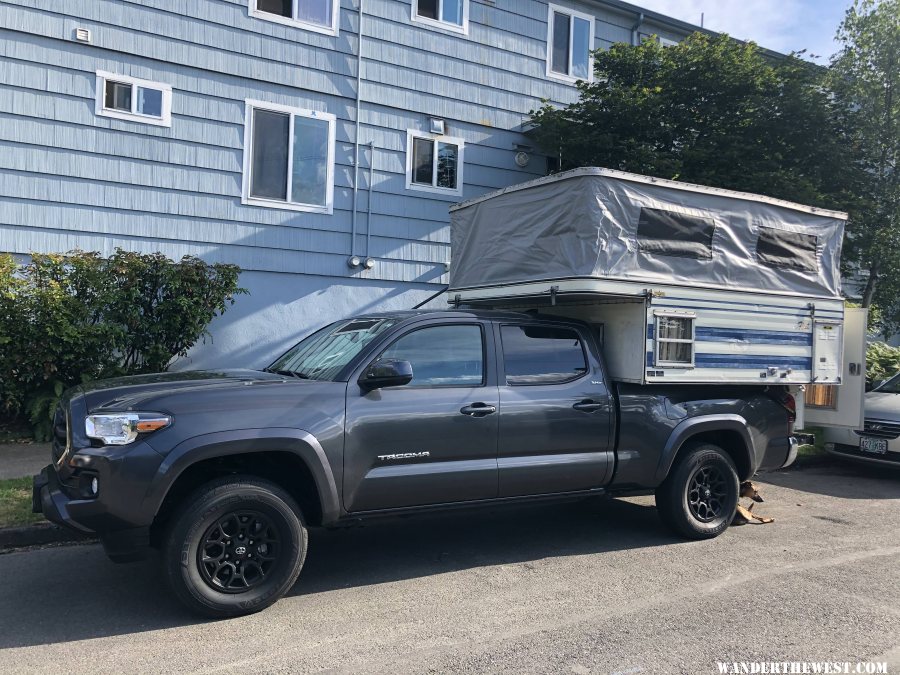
(605, 224)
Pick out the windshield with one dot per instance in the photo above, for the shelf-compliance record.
(892, 386)
(322, 355)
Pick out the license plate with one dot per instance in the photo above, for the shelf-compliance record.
(876, 445)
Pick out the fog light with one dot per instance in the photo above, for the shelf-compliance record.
(95, 486)
(829, 446)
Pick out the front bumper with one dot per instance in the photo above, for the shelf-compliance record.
(47, 497)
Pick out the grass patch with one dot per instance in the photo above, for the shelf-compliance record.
(15, 503)
(815, 448)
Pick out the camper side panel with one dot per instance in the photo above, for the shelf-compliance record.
(693, 338)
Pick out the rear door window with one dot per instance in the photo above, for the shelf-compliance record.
(542, 354)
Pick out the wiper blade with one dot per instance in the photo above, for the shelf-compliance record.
(289, 373)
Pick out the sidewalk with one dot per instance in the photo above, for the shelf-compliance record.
(18, 460)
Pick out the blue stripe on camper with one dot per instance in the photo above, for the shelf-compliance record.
(760, 361)
(762, 337)
(744, 361)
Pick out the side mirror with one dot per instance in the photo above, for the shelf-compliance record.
(386, 373)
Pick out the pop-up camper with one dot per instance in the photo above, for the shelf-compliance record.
(685, 283)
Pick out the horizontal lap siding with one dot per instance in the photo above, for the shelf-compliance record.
(69, 178)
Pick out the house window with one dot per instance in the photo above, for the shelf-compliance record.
(434, 163)
(674, 340)
(570, 38)
(288, 158)
(447, 14)
(320, 16)
(128, 98)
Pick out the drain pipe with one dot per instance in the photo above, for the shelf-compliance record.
(353, 261)
(369, 262)
(634, 29)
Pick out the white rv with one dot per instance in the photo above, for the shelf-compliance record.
(686, 284)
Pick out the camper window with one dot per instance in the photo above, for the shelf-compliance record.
(668, 233)
(792, 250)
(674, 340)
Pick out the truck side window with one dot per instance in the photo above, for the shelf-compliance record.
(442, 356)
(542, 354)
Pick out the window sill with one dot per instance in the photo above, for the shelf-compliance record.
(135, 117)
(443, 25)
(449, 192)
(294, 23)
(568, 79)
(286, 206)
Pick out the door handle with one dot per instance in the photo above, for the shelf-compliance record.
(588, 406)
(478, 409)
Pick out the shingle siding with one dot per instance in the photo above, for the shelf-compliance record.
(72, 179)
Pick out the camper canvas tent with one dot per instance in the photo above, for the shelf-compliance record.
(687, 284)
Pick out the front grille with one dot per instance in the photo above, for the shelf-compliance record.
(880, 429)
(60, 433)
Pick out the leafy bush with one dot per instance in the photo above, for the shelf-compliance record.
(882, 362)
(69, 318)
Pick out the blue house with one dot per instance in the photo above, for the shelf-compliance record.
(316, 143)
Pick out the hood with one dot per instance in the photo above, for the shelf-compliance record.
(883, 406)
(127, 392)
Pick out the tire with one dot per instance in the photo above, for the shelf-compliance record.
(685, 505)
(208, 558)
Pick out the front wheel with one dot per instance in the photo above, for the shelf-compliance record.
(699, 497)
(235, 547)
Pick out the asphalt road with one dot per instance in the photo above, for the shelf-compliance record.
(596, 587)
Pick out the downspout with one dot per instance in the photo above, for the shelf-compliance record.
(369, 203)
(634, 29)
(353, 261)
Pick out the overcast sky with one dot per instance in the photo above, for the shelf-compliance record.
(782, 25)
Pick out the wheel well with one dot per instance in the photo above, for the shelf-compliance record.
(730, 441)
(283, 468)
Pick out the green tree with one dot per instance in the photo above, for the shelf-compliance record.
(865, 76)
(709, 110)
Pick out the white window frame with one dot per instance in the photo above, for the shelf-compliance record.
(573, 14)
(165, 120)
(246, 198)
(297, 23)
(452, 140)
(666, 42)
(442, 25)
(657, 361)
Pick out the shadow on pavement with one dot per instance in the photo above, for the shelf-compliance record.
(75, 593)
(834, 477)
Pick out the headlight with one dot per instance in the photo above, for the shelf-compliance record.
(123, 428)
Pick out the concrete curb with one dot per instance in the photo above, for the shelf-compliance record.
(39, 535)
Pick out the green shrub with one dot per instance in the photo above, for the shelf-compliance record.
(69, 318)
(882, 362)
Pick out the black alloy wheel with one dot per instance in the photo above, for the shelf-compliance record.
(707, 493)
(239, 551)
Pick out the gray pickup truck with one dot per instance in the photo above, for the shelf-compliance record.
(388, 414)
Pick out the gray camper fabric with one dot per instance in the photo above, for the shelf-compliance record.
(614, 225)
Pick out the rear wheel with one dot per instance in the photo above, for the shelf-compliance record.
(235, 547)
(699, 497)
